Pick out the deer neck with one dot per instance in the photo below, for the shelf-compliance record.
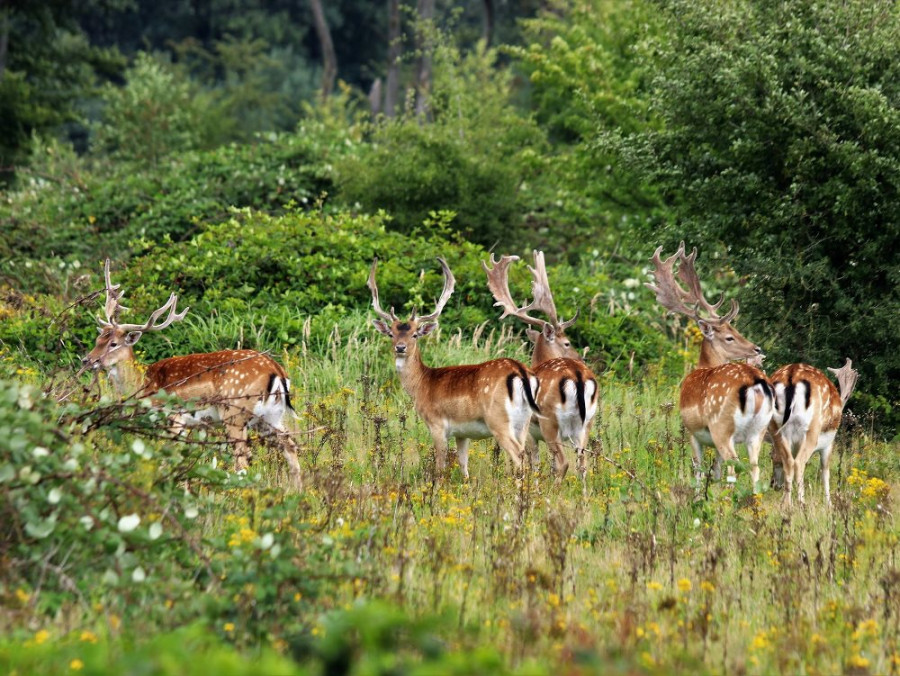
(542, 352)
(126, 375)
(413, 372)
(709, 356)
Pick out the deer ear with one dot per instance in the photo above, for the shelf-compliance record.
(549, 332)
(706, 329)
(133, 337)
(425, 329)
(382, 327)
(532, 335)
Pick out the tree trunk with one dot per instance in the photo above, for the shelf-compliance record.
(393, 74)
(423, 75)
(329, 58)
(488, 34)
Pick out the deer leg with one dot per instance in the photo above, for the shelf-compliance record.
(237, 435)
(532, 447)
(724, 444)
(781, 453)
(697, 458)
(825, 457)
(550, 432)
(439, 436)
(777, 481)
(807, 448)
(289, 450)
(513, 447)
(462, 454)
(753, 448)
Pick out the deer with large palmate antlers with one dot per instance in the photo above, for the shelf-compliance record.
(808, 412)
(475, 401)
(568, 394)
(239, 389)
(722, 403)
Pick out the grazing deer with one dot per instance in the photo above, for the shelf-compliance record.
(468, 402)
(239, 389)
(568, 388)
(722, 403)
(808, 411)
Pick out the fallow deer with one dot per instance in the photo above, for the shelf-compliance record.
(721, 403)
(476, 401)
(808, 411)
(568, 395)
(239, 389)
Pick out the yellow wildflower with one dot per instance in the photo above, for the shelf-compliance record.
(76, 665)
(684, 584)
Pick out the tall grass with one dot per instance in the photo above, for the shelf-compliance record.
(645, 568)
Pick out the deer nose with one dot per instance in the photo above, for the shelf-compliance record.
(400, 349)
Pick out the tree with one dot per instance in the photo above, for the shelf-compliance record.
(329, 59)
(780, 140)
(47, 67)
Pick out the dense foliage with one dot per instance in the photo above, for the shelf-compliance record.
(764, 132)
(779, 139)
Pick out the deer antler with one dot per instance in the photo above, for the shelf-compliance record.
(113, 307)
(671, 295)
(373, 287)
(498, 283)
(846, 377)
(543, 296)
(449, 284)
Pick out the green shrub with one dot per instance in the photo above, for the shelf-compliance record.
(67, 212)
(473, 154)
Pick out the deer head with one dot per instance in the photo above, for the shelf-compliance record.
(115, 342)
(721, 341)
(550, 336)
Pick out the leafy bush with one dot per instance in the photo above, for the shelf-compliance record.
(780, 140)
(473, 154)
(68, 213)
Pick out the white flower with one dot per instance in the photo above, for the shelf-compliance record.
(138, 447)
(266, 541)
(155, 530)
(696, 523)
(87, 522)
(129, 523)
(138, 574)
(40, 452)
(54, 496)
(191, 512)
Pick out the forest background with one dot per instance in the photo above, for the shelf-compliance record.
(254, 157)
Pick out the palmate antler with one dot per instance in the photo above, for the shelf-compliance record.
(846, 377)
(449, 285)
(498, 283)
(672, 296)
(113, 307)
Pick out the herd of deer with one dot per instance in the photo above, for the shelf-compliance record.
(724, 401)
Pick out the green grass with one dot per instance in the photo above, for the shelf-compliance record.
(635, 575)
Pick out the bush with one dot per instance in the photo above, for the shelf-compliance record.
(473, 154)
(67, 212)
(780, 141)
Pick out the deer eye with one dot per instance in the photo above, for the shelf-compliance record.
(114, 344)
(730, 339)
(567, 344)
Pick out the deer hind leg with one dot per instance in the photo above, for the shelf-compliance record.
(807, 448)
(825, 457)
(782, 455)
(697, 458)
(550, 432)
(753, 448)
(462, 455)
(724, 443)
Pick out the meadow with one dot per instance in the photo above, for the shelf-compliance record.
(378, 567)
